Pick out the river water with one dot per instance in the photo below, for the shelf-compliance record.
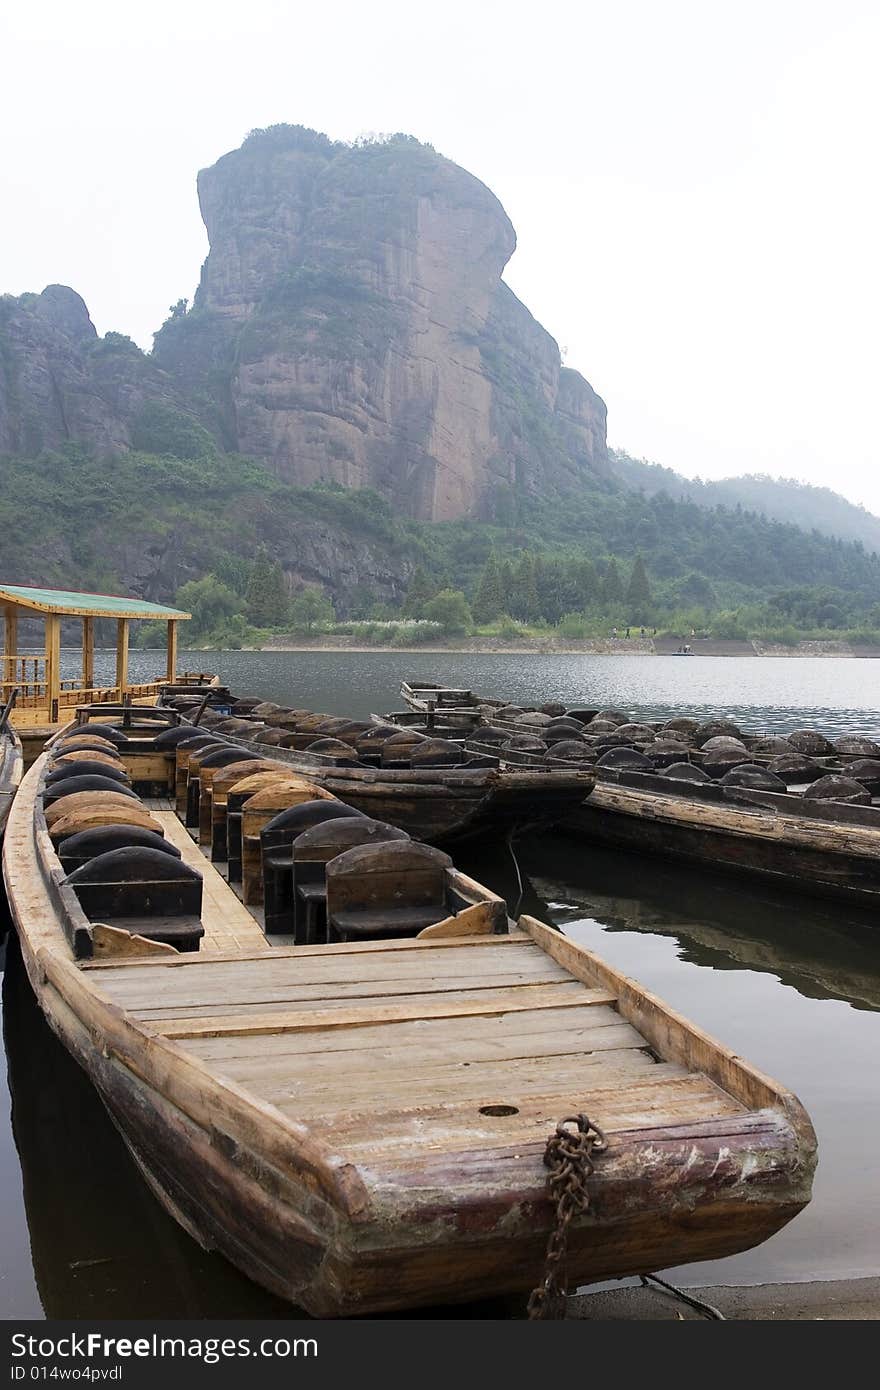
(791, 984)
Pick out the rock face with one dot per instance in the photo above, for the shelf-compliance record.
(351, 325)
(60, 382)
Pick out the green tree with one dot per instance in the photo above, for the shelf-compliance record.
(638, 592)
(419, 591)
(612, 586)
(489, 600)
(267, 602)
(524, 603)
(587, 582)
(310, 607)
(450, 609)
(210, 602)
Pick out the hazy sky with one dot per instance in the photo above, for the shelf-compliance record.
(694, 185)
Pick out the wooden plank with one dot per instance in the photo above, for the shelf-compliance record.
(115, 941)
(251, 986)
(404, 1046)
(265, 994)
(283, 1021)
(479, 920)
(532, 994)
(662, 1094)
(670, 1034)
(485, 1081)
(522, 956)
(228, 925)
(645, 1101)
(349, 948)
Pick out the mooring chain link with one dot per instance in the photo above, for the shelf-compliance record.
(569, 1156)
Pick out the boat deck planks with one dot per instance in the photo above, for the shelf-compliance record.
(228, 924)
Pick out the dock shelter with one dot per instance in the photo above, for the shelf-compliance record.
(42, 694)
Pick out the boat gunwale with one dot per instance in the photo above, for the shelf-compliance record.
(51, 963)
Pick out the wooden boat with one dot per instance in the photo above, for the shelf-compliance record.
(10, 767)
(470, 797)
(822, 847)
(361, 1126)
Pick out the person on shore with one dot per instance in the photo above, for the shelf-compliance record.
(627, 634)
(614, 633)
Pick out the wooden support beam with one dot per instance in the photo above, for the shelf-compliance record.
(10, 643)
(53, 664)
(88, 653)
(171, 664)
(122, 625)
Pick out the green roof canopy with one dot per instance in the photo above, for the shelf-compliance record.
(75, 605)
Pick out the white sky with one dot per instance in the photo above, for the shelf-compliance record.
(694, 185)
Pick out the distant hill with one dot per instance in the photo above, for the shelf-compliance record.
(781, 499)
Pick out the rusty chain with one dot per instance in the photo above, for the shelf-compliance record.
(569, 1156)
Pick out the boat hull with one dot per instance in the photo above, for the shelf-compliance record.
(797, 856)
(268, 1222)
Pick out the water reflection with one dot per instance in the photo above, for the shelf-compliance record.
(791, 985)
(823, 950)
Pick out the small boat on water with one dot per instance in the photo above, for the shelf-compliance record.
(800, 810)
(439, 791)
(360, 1122)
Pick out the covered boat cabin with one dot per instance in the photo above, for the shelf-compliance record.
(43, 695)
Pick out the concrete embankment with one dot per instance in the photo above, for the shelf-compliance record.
(839, 1300)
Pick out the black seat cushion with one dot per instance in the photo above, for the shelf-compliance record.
(84, 767)
(71, 785)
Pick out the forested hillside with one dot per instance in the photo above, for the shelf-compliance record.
(153, 524)
(783, 499)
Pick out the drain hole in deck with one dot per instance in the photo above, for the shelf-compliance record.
(499, 1109)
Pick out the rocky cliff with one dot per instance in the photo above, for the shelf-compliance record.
(61, 383)
(351, 326)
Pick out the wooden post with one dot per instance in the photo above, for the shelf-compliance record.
(171, 664)
(53, 665)
(88, 653)
(10, 644)
(122, 655)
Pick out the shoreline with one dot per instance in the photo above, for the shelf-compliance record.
(490, 646)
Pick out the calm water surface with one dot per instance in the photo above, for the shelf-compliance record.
(792, 985)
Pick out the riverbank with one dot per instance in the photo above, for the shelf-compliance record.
(572, 646)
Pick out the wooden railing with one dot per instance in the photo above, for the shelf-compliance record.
(32, 709)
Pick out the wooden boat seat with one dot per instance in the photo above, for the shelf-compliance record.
(391, 889)
(310, 854)
(388, 921)
(109, 795)
(256, 813)
(209, 771)
(277, 776)
(92, 766)
(222, 783)
(89, 844)
(277, 839)
(94, 816)
(145, 891)
(184, 754)
(212, 758)
(90, 786)
(89, 755)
